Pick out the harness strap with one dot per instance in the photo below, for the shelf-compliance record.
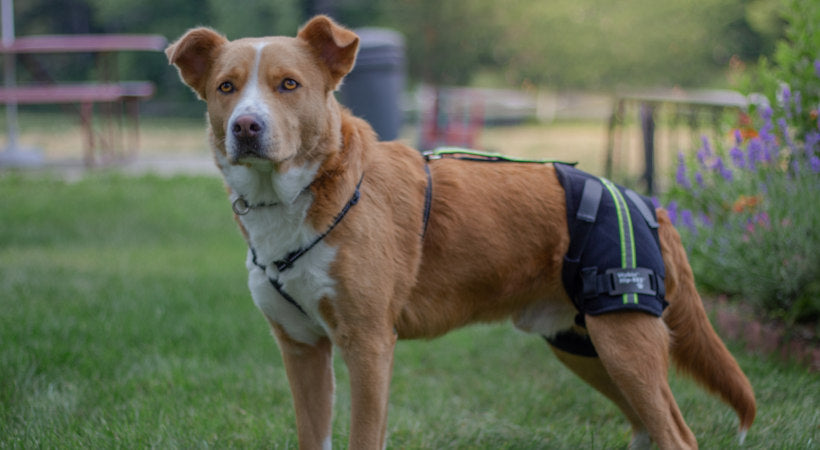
(586, 215)
(277, 285)
(287, 262)
(642, 208)
(584, 222)
(428, 200)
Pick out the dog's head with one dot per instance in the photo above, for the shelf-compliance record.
(270, 100)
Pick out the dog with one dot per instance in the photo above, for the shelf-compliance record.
(355, 243)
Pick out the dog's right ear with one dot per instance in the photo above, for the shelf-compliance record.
(193, 54)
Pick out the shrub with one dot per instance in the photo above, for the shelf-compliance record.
(750, 215)
(794, 63)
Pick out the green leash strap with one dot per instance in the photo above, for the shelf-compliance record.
(475, 155)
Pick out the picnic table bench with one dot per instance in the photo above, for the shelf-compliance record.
(122, 97)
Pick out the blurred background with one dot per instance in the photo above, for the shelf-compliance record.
(584, 45)
(528, 78)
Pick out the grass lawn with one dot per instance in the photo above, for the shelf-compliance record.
(126, 322)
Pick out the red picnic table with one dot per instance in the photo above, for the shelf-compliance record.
(120, 98)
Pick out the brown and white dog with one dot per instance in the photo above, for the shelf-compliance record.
(298, 165)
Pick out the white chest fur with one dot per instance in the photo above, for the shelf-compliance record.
(275, 231)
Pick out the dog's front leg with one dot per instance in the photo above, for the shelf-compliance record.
(369, 358)
(310, 373)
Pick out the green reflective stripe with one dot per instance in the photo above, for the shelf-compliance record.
(444, 151)
(625, 233)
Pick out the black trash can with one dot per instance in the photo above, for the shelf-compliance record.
(374, 88)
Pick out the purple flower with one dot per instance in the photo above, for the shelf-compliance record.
(704, 219)
(721, 168)
(755, 152)
(680, 174)
(699, 178)
(812, 138)
(688, 220)
(672, 210)
(680, 177)
(768, 139)
(707, 147)
(814, 164)
(766, 113)
(738, 136)
(817, 67)
(798, 103)
(784, 98)
(767, 136)
(769, 149)
(701, 155)
(737, 157)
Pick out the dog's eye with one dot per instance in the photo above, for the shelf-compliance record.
(227, 87)
(289, 84)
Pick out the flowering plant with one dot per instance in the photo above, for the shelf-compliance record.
(750, 216)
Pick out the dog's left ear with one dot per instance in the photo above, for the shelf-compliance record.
(335, 45)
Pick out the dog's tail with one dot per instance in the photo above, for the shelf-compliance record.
(696, 348)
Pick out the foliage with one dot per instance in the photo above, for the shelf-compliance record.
(127, 323)
(590, 44)
(635, 42)
(792, 74)
(749, 217)
(562, 43)
(446, 41)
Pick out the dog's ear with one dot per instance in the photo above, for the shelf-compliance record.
(335, 45)
(193, 54)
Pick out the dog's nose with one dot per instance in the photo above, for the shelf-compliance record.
(246, 126)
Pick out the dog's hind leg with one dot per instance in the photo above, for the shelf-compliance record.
(310, 373)
(591, 370)
(634, 349)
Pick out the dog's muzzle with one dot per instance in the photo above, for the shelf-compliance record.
(247, 136)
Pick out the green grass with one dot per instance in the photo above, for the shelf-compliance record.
(125, 322)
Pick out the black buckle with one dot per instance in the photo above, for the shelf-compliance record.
(631, 281)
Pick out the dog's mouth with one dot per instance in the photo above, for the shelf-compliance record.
(252, 155)
(248, 152)
(248, 141)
